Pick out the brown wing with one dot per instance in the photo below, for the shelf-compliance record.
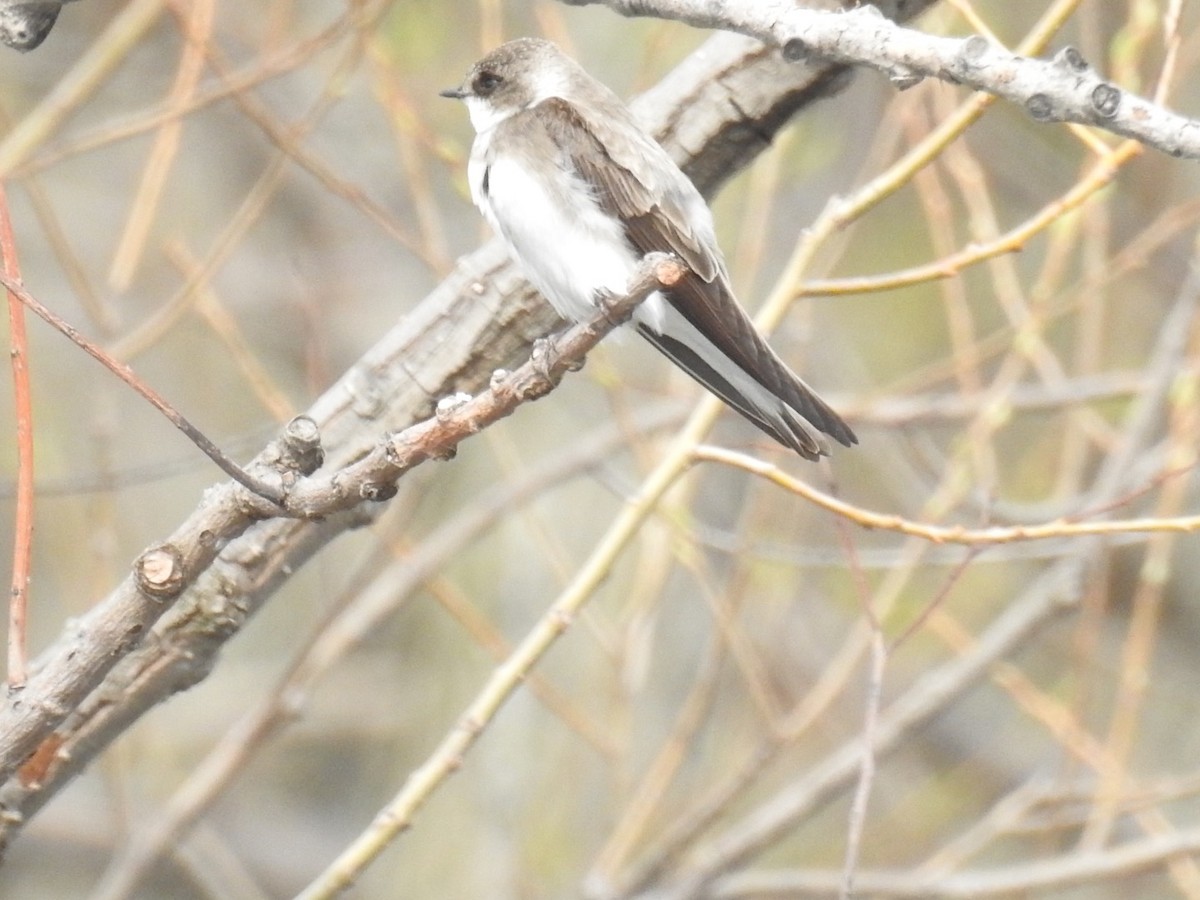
(635, 179)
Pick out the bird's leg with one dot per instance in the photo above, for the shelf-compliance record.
(606, 301)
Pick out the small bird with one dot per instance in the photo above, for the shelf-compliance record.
(579, 192)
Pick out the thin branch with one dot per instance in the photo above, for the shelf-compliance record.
(18, 352)
(866, 776)
(944, 534)
(1053, 875)
(533, 379)
(270, 492)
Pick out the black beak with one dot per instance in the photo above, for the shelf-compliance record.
(453, 93)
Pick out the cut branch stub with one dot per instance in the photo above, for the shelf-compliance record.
(159, 572)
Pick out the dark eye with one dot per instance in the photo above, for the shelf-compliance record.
(486, 83)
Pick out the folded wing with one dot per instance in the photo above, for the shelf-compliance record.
(710, 336)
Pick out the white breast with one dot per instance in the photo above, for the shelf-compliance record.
(568, 247)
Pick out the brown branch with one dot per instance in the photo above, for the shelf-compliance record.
(269, 491)
(23, 520)
(944, 534)
(457, 418)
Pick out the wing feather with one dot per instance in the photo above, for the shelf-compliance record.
(635, 180)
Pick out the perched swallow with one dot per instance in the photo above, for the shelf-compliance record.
(580, 193)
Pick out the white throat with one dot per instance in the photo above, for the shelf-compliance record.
(548, 81)
(484, 116)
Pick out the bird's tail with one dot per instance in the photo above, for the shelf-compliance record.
(772, 396)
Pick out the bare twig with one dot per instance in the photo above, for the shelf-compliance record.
(866, 775)
(1052, 875)
(946, 534)
(268, 491)
(1051, 594)
(23, 522)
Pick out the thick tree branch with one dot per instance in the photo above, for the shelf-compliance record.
(1065, 89)
(24, 25)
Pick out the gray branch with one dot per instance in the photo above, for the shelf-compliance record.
(1066, 870)
(1065, 89)
(24, 24)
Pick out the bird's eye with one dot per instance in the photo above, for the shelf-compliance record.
(486, 83)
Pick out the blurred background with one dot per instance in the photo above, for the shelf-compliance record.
(708, 700)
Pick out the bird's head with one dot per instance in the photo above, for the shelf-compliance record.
(513, 77)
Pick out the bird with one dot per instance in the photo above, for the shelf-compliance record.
(579, 192)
